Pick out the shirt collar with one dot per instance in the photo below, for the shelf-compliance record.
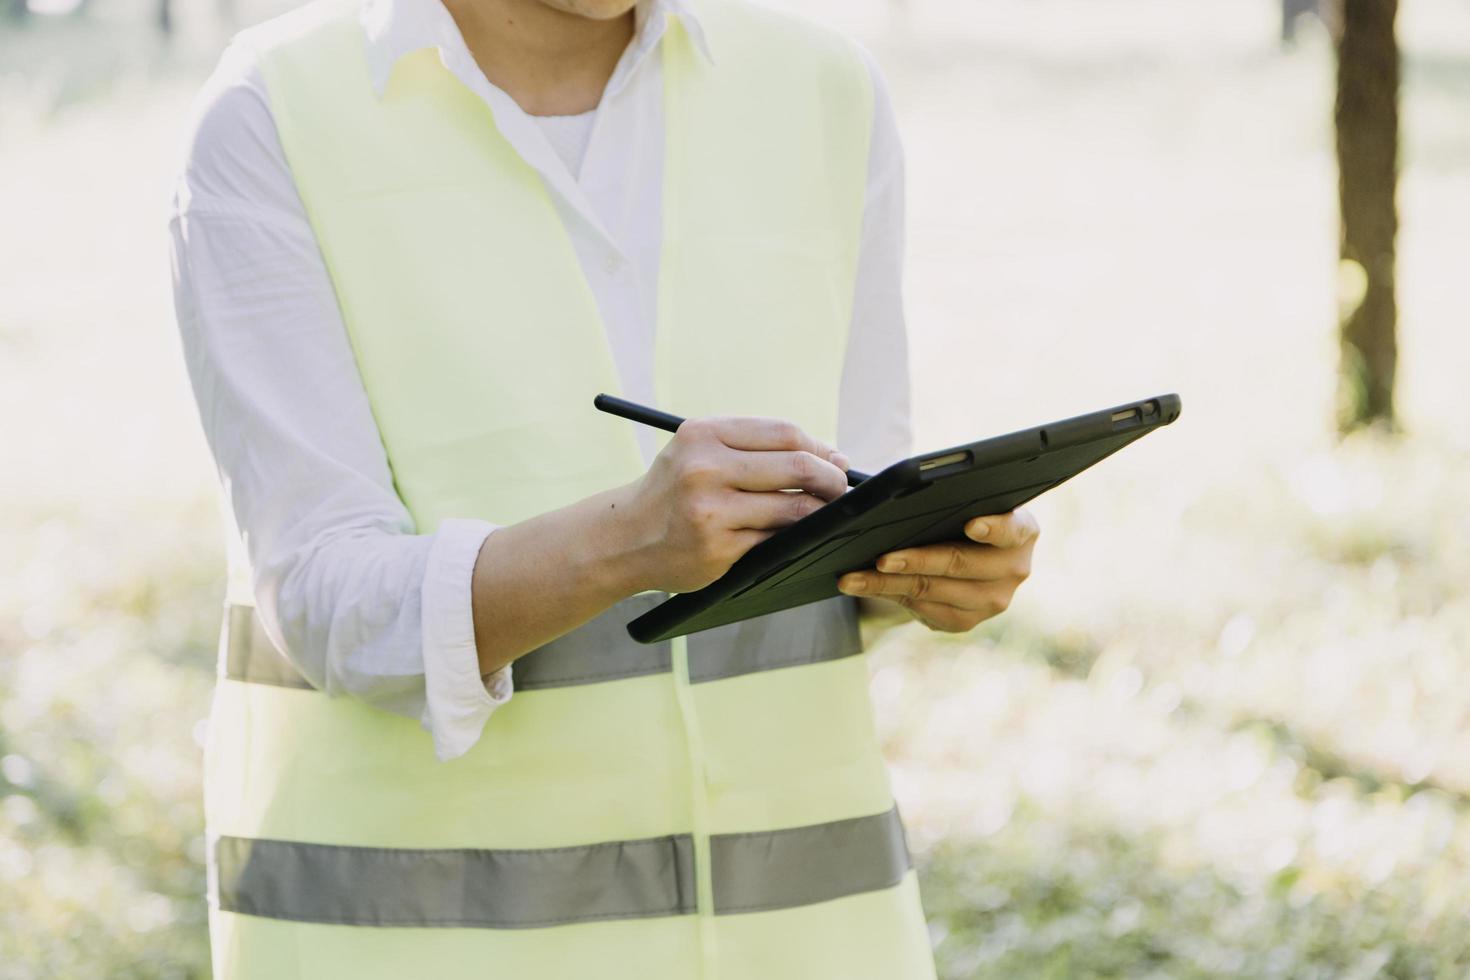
(395, 28)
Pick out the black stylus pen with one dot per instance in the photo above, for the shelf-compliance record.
(634, 412)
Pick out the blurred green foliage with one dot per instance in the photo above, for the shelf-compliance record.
(1234, 771)
(1054, 898)
(1224, 732)
(102, 696)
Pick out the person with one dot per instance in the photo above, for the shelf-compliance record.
(411, 240)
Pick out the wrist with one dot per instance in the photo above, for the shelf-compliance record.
(623, 551)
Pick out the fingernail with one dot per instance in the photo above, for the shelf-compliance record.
(840, 461)
(855, 583)
(888, 563)
(979, 529)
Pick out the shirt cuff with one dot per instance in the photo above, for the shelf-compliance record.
(457, 701)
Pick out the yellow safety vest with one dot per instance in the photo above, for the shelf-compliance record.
(715, 806)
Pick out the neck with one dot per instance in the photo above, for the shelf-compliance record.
(552, 63)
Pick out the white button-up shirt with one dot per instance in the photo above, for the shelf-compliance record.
(364, 604)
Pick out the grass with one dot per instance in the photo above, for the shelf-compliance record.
(1043, 899)
(1260, 771)
(1222, 732)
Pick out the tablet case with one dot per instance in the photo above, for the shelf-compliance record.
(917, 501)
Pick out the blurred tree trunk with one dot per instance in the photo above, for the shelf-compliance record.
(1367, 120)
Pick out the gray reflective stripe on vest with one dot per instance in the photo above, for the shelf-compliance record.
(824, 630)
(803, 865)
(598, 650)
(374, 886)
(518, 889)
(601, 649)
(250, 655)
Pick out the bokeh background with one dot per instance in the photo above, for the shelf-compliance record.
(1225, 729)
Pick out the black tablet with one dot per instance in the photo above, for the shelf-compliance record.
(916, 501)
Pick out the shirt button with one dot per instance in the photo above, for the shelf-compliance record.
(613, 264)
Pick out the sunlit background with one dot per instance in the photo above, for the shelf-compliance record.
(1224, 731)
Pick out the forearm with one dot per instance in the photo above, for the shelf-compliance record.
(715, 490)
(545, 576)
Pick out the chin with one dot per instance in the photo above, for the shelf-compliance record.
(593, 9)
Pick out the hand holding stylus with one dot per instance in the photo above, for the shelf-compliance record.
(711, 505)
(720, 487)
(634, 412)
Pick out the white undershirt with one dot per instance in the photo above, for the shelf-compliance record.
(362, 603)
(568, 136)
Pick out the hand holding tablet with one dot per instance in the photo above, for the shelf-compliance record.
(953, 586)
(918, 501)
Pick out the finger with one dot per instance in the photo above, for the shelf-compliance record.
(787, 470)
(756, 433)
(945, 618)
(769, 511)
(957, 559)
(743, 539)
(963, 593)
(1011, 530)
(733, 544)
